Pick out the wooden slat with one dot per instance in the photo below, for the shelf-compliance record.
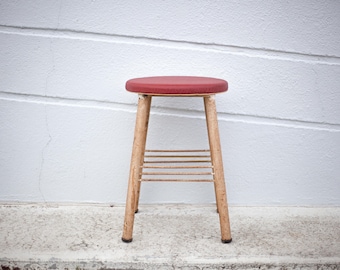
(179, 161)
(179, 151)
(176, 156)
(176, 167)
(174, 180)
(176, 173)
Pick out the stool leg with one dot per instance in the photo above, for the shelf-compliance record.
(142, 146)
(141, 128)
(216, 156)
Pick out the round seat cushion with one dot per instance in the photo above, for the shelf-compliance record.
(176, 85)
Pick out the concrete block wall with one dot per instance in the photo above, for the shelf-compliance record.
(67, 123)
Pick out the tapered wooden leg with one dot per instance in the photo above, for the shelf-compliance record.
(142, 120)
(141, 160)
(216, 156)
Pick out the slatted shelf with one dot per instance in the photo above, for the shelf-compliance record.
(160, 163)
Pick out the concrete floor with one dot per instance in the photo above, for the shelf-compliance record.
(167, 237)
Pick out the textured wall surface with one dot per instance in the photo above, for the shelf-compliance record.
(67, 122)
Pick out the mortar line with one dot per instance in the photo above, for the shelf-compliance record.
(168, 111)
(66, 101)
(172, 43)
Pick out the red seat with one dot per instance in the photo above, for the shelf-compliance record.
(176, 85)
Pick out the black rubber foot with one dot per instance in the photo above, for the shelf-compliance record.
(226, 241)
(126, 240)
(136, 211)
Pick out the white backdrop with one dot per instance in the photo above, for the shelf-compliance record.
(67, 122)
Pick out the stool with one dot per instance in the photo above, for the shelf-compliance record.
(147, 163)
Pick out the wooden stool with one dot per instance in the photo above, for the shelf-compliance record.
(148, 163)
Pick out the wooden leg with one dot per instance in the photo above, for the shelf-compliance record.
(142, 120)
(142, 146)
(216, 156)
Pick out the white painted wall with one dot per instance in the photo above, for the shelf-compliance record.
(67, 122)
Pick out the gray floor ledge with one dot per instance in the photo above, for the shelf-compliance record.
(56, 236)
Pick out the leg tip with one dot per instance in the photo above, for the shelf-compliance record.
(126, 240)
(226, 241)
(136, 211)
